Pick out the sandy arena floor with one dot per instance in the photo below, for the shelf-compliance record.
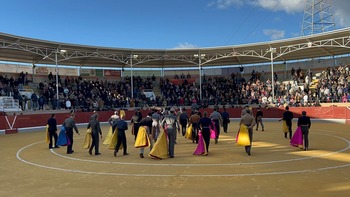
(29, 168)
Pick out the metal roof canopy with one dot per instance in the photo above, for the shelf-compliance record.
(34, 51)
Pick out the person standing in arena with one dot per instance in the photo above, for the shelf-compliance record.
(94, 124)
(288, 117)
(113, 119)
(258, 119)
(205, 124)
(305, 124)
(249, 121)
(135, 122)
(69, 125)
(194, 120)
(156, 123)
(147, 124)
(216, 117)
(52, 123)
(243, 112)
(171, 125)
(183, 119)
(122, 127)
(225, 119)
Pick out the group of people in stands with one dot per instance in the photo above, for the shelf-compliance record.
(76, 92)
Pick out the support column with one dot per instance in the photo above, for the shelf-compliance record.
(272, 50)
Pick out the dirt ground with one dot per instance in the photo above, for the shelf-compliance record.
(29, 168)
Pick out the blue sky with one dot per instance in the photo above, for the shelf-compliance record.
(159, 24)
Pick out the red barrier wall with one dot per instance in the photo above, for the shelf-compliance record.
(32, 120)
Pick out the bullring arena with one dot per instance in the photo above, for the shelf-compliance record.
(29, 168)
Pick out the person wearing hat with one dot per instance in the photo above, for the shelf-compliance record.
(305, 124)
(172, 125)
(249, 121)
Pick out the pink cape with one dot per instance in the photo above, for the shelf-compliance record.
(213, 132)
(200, 150)
(297, 139)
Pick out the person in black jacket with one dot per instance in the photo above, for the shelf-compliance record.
(258, 119)
(94, 124)
(69, 125)
(225, 119)
(146, 122)
(288, 117)
(52, 130)
(122, 126)
(305, 124)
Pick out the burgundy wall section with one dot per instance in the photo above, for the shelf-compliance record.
(32, 120)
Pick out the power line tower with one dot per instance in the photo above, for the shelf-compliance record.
(318, 17)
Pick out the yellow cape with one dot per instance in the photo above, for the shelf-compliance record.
(243, 136)
(160, 148)
(188, 133)
(114, 140)
(47, 137)
(87, 139)
(122, 113)
(142, 139)
(108, 138)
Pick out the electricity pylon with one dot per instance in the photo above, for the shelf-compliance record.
(318, 17)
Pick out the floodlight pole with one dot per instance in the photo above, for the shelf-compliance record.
(200, 76)
(57, 104)
(131, 75)
(272, 50)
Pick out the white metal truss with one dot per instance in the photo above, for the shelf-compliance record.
(207, 59)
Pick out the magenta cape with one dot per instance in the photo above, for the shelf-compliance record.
(200, 150)
(213, 132)
(297, 139)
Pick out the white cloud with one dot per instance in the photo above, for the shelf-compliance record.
(289, 6)
(284, 5)
(223, 4)
(185, 45)
(274, 33)
(340, 8)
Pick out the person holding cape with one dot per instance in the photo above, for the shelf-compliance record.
(94, 124)
(69, 125)
(121, 139)
(205, 123)
(305, 124)
(171, 124)
(249, 121)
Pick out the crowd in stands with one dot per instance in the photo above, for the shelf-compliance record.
(333, 85)
(88, 95)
